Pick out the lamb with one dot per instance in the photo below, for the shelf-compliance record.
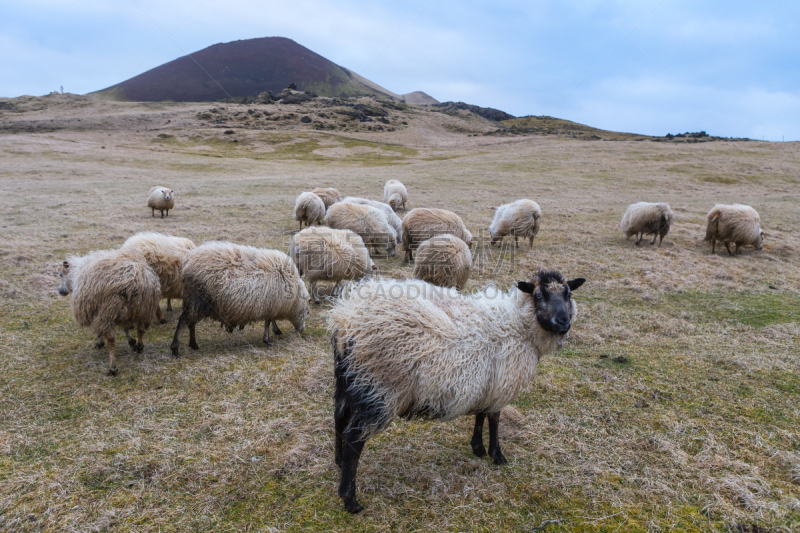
(329, 195)
(236, 285)
(165, 255)
(395, 194)
(738, 224)
(443, 260)
(645, 218)
(446, 357)
(368, 222)
(325, 254)
(309, 208)
(517, 218)
(111, 288)
(161, 198)
(421, 224)
(395, 221)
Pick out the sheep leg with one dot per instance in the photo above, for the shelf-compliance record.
(314, 292)
(494, 441)
(160, 315)
(140, 329)
(638, 239)
(192, 337)
(516, 241)
(531, 245)
(169, 304)
(266, 333)
(736, 248)
(352, 445)
(713, 245)
(162, 213)
(176, 340)
(112, 359)
(100, 342)
(653, 241)
(728, 247)
(477, 436)
(168, 212)
(408, 257)
(131, 340)
(154, 212)
(341, 418)
(337, 289)
(275, 329)
(660, 240)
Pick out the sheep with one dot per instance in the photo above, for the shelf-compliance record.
(517, 218)
(327, 254)
(645, 218)
(309, 208)
(447, 356)
(395, 194)
(368, 222)
(738, 224)
(111, 288)
(395, 221)
(422, 223)
(443, 260)
(329, 196)
(236, 285)
(165, 255)
(161, 198)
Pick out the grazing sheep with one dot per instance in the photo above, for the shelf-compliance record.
(645, 218)
(368, 222)
(395, 221)
(738, 224)
(161, 198)
(517, 218)
(329, 196)
(422, 223)
(443, 260)
(236, 285)
(165, 255)
(111, 288)
(395, 194)
(446, 357)
(309, 208)
(325, 254)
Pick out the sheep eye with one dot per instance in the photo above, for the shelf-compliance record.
(538, 296)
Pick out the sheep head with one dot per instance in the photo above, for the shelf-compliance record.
(551, 295)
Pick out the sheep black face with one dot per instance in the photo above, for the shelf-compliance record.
(66, 280)
(551, 295)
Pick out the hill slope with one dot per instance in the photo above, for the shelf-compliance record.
(240, 69)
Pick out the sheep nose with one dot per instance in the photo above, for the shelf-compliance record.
(63, 292)
(561, 324)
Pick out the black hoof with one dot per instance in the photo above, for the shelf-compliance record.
(352, 505)
(162, 321)
(499, 459)
(479, 451)
(139, 348)
(267, 343)
(99, 345)
(175, 353)
(194, 346)
(131, 342)
(113, 371)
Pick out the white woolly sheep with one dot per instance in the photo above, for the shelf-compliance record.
(111, 288)
(422, 223)
(446, 357)
(236, 285)
(738, 224)
(326, 254)
(395, 194)
(328, 195)
(165, 255)
(368, 222)
(443, 260)
(645, 218)
(161, 198)
(309, 208)
(395, 221)
(519, 218)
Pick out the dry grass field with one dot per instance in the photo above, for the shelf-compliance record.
(675, 405)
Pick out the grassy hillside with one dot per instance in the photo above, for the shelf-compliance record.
(543, 125)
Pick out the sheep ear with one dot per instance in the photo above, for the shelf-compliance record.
(573, 284)
(524, 286)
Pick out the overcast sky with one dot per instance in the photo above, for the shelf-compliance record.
(731, 68)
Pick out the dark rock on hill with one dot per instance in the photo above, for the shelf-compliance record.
(488, 113)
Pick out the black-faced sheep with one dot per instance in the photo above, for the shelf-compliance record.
(111, 288)
(645, 218)
(165, 255)
(368, 222)
(236, 285)
(422, 223)
(443, 260)
(446, 357)
(395, 221)
(738, 224)
(519, 218)
(329, 196)
(326, 254)
(395, 194)
(309, 208)
(161, 198)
